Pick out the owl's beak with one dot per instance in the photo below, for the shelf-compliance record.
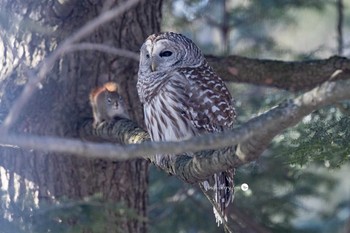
(153, 66)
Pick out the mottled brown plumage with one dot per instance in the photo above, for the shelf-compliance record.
(182, 98)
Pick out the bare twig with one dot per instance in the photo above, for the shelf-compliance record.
(340, 22)
(103, 48)
(46, 65)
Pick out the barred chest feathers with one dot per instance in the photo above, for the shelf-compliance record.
(164, 114)
(165, 118)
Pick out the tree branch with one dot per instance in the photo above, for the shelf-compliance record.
(340, 22)
(291, 76)
(105, 49)
(251, 137)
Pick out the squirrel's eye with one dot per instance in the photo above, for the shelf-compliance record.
(109, 100)
(147, 55)
(166, 54)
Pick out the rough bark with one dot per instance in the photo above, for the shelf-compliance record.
(62, 103)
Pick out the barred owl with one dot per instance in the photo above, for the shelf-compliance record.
(182, 98)
(107, 103)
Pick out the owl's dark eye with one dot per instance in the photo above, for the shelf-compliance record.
(166, 54)
(147, 55)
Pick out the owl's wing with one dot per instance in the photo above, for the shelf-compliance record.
(207, 104)
(206, 101)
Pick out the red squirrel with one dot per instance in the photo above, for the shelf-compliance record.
(107, 103)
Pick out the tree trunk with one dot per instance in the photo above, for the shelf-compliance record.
(34, 30)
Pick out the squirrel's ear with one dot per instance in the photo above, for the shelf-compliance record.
(111, 86)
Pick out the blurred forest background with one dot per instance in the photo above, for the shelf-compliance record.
(301, 184)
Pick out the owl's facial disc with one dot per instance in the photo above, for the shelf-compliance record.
(162, 56)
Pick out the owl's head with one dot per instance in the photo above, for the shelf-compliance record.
(167, 51)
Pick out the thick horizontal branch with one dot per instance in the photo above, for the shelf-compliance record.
(288, 75)
(251, 137)
(120, 130)
(255, 135)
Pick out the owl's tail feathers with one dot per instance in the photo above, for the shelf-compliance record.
(223, 193)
